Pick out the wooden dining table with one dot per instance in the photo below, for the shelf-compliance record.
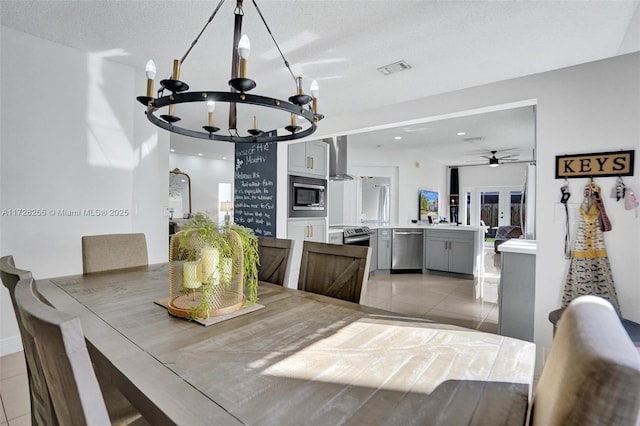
(302, 359)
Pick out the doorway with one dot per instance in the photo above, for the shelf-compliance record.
(493, 207)
(500, 206)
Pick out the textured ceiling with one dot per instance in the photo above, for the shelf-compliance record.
(450, 45)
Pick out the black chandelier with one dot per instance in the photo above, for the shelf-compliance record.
(299, 105)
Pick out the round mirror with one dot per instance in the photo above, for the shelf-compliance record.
(179, 195)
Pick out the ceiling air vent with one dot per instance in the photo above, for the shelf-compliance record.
(394, 68)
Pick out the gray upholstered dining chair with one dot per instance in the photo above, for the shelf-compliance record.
(592, 373)
(113, 251)
(275, 257)
(339, 271)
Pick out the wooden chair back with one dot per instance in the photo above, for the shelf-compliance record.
(339, 271)
(41, 407)
(592, 373)
(113, 251)
(61, 350)
(275, 257)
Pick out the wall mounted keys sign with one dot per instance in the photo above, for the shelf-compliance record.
(614, 163)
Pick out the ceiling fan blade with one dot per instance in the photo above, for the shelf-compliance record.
(510, 156)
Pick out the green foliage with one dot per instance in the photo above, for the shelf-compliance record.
(215, 235)
(251, 261)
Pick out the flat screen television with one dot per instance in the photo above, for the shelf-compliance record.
(428, 205)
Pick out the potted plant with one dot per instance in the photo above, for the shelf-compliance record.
(213, 269)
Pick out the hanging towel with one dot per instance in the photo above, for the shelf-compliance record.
(605, 223)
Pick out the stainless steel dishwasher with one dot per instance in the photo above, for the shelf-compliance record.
(406, 252)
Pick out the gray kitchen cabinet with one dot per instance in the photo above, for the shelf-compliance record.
(373, 244)
(450, 251)
(335, 238)
(384, 248)
(308, 158)
(516, 293)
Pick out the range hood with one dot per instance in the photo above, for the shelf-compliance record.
(338, 158)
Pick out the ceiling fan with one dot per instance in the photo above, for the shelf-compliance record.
(496, 161)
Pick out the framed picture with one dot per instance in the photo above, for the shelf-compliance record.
(428, 205)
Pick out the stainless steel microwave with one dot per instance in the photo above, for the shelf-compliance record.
(307, 197)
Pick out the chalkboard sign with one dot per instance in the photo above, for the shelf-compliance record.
(255, 187)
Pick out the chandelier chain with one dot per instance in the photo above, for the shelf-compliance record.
(193, 43)
(286, 63)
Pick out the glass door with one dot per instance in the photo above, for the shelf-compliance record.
(492, 207)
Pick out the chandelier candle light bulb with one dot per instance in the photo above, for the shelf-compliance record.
(244, 48)
(211, 106)
(150, 71)
(315, 92)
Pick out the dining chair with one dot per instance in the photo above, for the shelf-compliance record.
(59, 346)
(275, 257)
(592, 373)
(120, 410)
(339, 271)
(113, 251)
(41, 408)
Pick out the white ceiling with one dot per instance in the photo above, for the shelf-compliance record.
(449, 45)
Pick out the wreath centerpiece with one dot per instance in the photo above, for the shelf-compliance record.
(213, 270)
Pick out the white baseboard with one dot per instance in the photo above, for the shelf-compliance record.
(9, 345)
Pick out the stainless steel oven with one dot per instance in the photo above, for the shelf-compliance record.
(357, 236)
(307, 197)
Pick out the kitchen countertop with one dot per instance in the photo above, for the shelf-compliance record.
(442, 226)
(517, 245)
(439, 226)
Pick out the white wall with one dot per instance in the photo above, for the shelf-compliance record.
(409, 172)
(586, 108)
(71, 140)
(205, 174)
(503, 175)
(150, 182)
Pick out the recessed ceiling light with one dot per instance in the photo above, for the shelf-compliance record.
(224, 158)
(200, 154)
(398, 138)
(172, 150)
(461, 133)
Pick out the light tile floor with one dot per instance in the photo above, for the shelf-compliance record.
(14, 391)
(445, 299)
